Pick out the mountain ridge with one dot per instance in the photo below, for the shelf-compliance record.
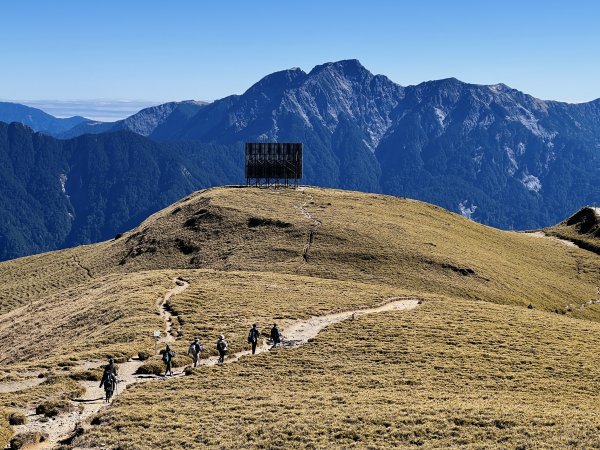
(36, 118)
(489, 152)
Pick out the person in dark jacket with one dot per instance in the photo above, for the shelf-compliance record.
(222, 347)
(109, 379)
(253, 336)
(195, 350)
(111, 366)
(167, 358)
(275, 336)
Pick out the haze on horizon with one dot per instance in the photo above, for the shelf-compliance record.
(78, 52)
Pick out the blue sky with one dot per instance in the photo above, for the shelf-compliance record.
(155, 51)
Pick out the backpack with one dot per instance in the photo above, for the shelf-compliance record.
(275, 335)
(110, 380)
(251, 337)
(222, 346)
(166, 357)
(198, 348)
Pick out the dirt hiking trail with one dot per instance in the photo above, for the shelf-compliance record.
(161, 305)
(62, 428)
(541, 234)
(300, 332)
(316, 223)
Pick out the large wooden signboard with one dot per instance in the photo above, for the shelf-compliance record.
(273, 163)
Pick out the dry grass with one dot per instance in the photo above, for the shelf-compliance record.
(5, 429)
(362, 238)
(110, 316)
(58, 386)
(471, 368)
(448, 374)
(230, 302)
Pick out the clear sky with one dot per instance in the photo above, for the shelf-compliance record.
(155, 51)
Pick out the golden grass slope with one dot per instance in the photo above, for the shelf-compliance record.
(361, 237)
(449, 374)
(110, 315)
(437, 375)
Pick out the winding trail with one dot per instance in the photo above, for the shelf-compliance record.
(59, 428)
(62, 428)
(19, 385)
(161, 304)
(541, 234)
(81, 266)
(316, 223)
(300, 332)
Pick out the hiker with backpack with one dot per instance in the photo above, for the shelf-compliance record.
(275, 336)
(253, 336)
(222, 347)
(167, 358)
(109, 379)
(111, 366)
(195, 350)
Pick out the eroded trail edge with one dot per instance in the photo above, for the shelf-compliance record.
(66, 426)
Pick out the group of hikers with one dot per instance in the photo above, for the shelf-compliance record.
(196, 348)
(110, 378)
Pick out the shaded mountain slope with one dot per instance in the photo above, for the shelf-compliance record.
(60, 193)
(491, 153)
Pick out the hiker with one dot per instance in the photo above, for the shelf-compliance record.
(253, 336)
(275, 336)
(109, 379)
(167, 358)
(195, 350)
(111, 366)
(222, 347)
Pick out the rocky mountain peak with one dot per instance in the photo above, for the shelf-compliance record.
(277, 82)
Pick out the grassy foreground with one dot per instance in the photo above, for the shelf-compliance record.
(448, 374)
(472, 367)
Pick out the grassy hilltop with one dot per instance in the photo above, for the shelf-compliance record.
(583, 228)
(472, 366)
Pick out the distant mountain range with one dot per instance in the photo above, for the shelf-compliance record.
(37, 119)
(490, 153)
(157, 122)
